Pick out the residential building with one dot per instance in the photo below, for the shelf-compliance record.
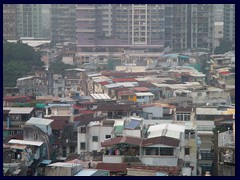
(62, 169)
(91, 135)
(226, 154)
(63, 23)
(58, 85)
(29, 20)
(9, 21)
(74, 80)
(218, 33)
(218, 12)
(229, 22)
(14, 119)
(192, 27)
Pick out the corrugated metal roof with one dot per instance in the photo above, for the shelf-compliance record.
(64, 164)
(19, 110)
(128, 84)
(86, 172)
(75, 69)
(208, 111)
(141, 89)
(119, 140)
(39, 121)
(124, 80)
(25, 142)
(101, 96)
(94, 75)
(168, 130)
(24, 78)
(144, 94)
(161, 140)
(118, 129)
(113, 167)
(112, 85)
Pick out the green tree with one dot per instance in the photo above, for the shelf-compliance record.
(18, 60)
(58, 67)
(225, 46)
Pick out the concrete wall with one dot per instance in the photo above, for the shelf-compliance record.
(112, 159)
(59, 171)
(100, 131)
(132, 133)
(159, 161)
(156, 111)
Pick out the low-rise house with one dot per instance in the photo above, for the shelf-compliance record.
(91, 134)
(206, 117)
(33, 85)
(144, 97)
(14, 118)
(62, 169)
(74, 80)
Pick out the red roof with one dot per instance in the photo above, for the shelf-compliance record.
(141, 89)
(113, 167)
(124, 80)
(58, 125)
(161, 140)
(104, 83)
(118, 140)
(87, 112)
(59, 118)
(15, 98)
(122, 93)
(225, 73)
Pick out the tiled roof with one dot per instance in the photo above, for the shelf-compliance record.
(118, 140)
(113, 167)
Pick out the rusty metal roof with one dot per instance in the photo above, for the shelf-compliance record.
(161, 140)
(113, 167)
(119, 140)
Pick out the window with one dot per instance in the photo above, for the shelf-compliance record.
(206, 155)
(35, 137)
(166, 151)
(82, 146)
(187, 151)
(107, 136)
(95, 138)
(82, 129)
(72, 149)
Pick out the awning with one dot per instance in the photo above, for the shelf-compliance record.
(46, 161)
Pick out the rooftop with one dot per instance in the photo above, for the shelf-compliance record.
(25, 142)
(19, 110)
(38, 121)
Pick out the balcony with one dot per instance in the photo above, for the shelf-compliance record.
(153, 160)
(120, 159)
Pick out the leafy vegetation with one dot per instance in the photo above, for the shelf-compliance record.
(225, 46)
(58, 67)
(18, 60)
